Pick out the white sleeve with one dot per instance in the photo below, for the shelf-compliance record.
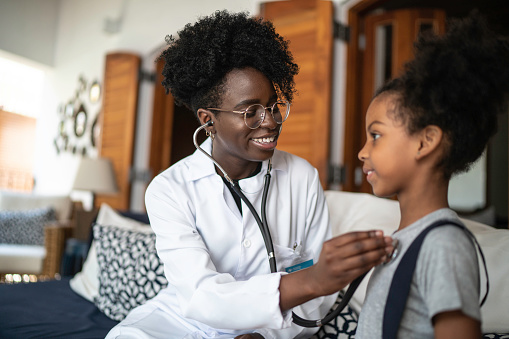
(213, 298)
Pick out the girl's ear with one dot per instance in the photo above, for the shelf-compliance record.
(430, 140)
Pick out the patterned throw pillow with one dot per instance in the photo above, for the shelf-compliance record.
(342, 327)
(25, 227)
(130, 272)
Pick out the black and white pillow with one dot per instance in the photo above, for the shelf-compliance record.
(25, 227)
(342, 327)
(130, 272)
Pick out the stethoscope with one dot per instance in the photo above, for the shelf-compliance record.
(264, 229)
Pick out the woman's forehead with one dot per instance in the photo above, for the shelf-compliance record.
(247, 84)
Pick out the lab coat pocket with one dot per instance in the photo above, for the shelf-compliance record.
(292, 259)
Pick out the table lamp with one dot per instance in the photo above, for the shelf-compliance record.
(95, 175)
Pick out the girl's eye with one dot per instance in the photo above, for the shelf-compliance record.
(375, 136)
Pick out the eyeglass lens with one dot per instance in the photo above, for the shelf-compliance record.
(255, 114)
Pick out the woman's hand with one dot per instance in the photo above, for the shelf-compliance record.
(250, 336)
(346, 257)
(342, 259)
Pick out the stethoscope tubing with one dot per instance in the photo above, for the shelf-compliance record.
(262, 224)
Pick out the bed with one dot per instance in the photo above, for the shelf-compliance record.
(49, 309)
(95, 299)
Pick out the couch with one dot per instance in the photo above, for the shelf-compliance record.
(32, 232)
(122, 271)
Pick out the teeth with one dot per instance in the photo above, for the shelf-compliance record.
(265, 140)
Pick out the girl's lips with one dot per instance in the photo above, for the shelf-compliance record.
(369, 173)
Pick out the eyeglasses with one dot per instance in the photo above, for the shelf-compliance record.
(255, 114)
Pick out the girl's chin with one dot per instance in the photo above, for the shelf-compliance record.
(380, 192)
(383, 194)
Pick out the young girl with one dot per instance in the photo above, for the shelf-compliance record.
(432, 122)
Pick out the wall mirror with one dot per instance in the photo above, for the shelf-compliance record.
(80, 121)
(95, 92)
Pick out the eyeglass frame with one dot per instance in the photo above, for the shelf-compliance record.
(268, 108)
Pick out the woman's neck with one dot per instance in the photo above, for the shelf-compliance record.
(236, 168)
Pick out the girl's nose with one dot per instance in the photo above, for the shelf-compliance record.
(362, 153)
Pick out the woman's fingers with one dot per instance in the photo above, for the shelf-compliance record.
(357, 243)
(360, 262)
(345, 257)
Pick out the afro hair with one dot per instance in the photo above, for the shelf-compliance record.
(198, 59)
(459, 82)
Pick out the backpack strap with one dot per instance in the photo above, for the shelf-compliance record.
(401, 281)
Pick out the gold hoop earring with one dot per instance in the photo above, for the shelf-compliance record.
(207, 133)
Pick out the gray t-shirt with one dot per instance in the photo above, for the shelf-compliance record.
(446, 278)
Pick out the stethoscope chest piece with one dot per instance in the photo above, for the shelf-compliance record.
(394, 254)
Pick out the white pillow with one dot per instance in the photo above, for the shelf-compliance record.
(361, 211)
(495, 246)
(86, 282)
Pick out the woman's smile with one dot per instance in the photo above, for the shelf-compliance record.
(266, 142)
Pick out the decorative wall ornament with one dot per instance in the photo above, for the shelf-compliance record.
(77, 131)
(95, 133)
(80, 121)
(94, 93)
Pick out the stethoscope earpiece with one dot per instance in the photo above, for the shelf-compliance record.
(209, 123)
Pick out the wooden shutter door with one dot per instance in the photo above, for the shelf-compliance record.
(308, 25)
(118, 122)
(162, 125)
(173, 127)
(389, 45)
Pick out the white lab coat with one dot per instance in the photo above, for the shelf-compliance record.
(215, 258)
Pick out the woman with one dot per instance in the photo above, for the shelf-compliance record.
(236, 74)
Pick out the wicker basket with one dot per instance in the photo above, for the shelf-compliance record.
(55, 236)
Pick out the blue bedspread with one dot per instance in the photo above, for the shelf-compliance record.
(49, 310)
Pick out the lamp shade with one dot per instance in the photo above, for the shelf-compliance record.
(95, 175)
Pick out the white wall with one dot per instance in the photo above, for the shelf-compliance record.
(33, 20)
(79, 48)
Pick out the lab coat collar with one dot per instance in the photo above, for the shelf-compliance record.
(200, 166)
